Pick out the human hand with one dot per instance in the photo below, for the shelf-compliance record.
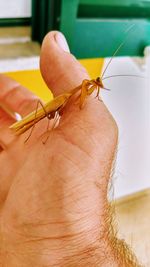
(53, 197)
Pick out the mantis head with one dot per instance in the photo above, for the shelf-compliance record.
(99, 82)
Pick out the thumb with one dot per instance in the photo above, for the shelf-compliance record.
(90, 134)
(60, 69)
(92, 128)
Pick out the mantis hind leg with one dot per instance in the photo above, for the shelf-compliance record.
(39, 103)
(56, 118)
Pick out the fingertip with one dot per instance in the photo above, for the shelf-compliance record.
(60, 69)
(61, 41)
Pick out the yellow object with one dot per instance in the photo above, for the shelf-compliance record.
(93, 66)
(33, 80)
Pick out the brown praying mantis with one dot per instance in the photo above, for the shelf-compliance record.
(53, 108)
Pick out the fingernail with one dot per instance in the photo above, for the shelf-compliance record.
(61, 41)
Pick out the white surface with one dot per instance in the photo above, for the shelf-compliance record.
(28, 63)
(129, 101)
(13, 40)
(15, 8)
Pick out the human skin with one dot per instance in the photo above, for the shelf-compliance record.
(53, 198)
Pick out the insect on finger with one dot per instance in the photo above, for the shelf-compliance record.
(55, 107)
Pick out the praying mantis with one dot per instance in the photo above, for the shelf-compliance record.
(53, 108)
(50, 109)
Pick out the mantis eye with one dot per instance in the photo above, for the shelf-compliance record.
(98, 79)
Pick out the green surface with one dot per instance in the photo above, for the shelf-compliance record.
(68, 18)
(94, 28)
(115, 2)
(105, 11)
(102, 39)
(15, 22)
(114, 8)
(42, 18)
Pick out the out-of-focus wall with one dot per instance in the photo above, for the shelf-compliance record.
(15, 8)
(129, 102)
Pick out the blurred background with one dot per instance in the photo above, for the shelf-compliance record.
(87, 24)
(94, 30)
